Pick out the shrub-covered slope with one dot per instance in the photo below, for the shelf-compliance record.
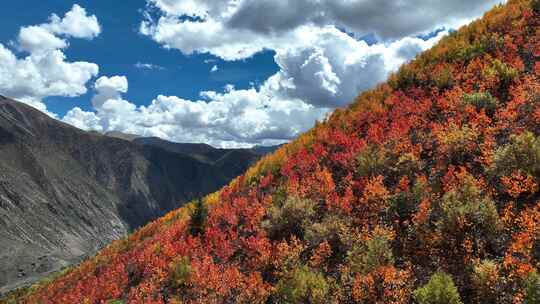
(424, 190)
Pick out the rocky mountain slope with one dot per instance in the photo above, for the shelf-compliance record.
(425, 190)
(65, 193)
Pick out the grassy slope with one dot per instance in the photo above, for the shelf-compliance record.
(435, 171)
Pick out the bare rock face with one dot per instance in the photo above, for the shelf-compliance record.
(66, 193)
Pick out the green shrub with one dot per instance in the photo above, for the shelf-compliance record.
(180, 272)
(468, 204)
(439, 290)
(157, 248)
(115, 302)
(536, 249)
(403, 79)
(444, 80)
(532, 289)
(302, 285)
(468, 53)
(482, 213)
(522, 153)
(458, 145)
(333, 228)
(487, 44)
(506, 73)
(289, 217)
(372, 161)
(482, 101)
(404, 204)
(375, 160)
(536, 6)
(366, 256)
(406, 164)
(485, 280)
(199, 217)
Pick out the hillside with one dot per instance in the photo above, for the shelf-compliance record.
(66, 193)
(124, 136)
(229, 162)
(232, 162)
(424, 190)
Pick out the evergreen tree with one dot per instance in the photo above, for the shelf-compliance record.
(198, 217)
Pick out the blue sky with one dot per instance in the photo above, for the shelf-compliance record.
(224, 72)
(120, 47)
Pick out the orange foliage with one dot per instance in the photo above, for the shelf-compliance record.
(426, 179)
(519, 183)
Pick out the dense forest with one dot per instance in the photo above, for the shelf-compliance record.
(424, 190)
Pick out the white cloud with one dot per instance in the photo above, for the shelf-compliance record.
(329, 74)
(325, 66)
(44, 71)
(83, 120)
(214, 69)
(148, 66)
(322, 64)
(234, 29)
(109, 89)
(43, 74)
(35, 39)
(234, 118)
(319, 62)
(46, 37)
(229, 87)
(335, 67)
(76, 23)
(388, 19)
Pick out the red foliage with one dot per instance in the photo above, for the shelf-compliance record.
(428, 142)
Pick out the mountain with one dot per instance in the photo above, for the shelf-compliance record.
(66, 193)
(424, 190)
(231, 162)
(124, 136)
(204, 152)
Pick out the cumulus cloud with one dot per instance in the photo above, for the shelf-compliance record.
(233, 118)
(76, 23)
(214, 69)
(83, 120)
(48, 36)
(109, 89)
(335, 67)
(233, 29)
(321, 60)
(44, 71)
(322, 63)
(326, 67)
(388, 19)
(35, 38)
(310, 84)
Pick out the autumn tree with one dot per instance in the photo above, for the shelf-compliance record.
(439, 290)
